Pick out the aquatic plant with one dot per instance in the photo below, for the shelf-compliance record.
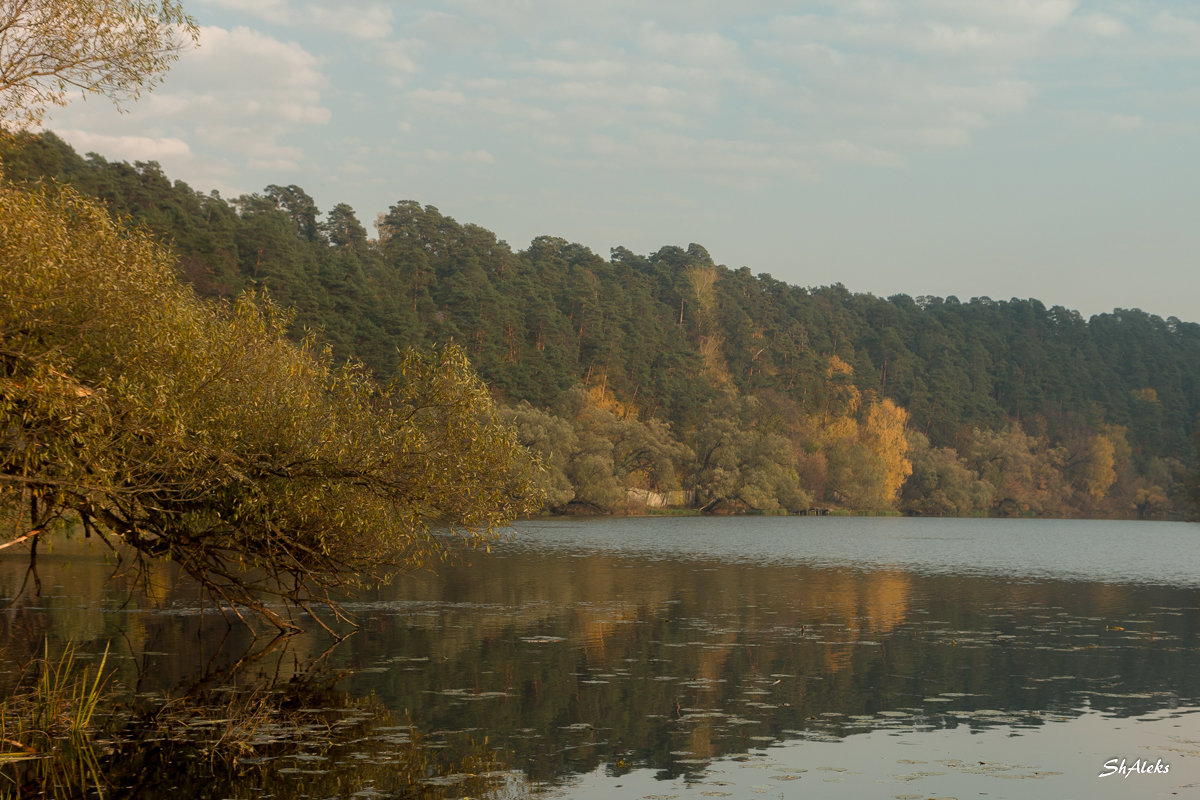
(47, 726)
(68, 731)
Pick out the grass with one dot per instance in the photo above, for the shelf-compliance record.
(66, 731)
(46, 727)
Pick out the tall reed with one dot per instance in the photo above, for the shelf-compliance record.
(46, 727)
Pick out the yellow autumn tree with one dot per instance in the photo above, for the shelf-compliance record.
(864, 445)
(883, 433)
(1099, 470)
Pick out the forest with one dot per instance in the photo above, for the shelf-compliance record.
(660, 381)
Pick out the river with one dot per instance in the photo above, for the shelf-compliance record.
(684, 657)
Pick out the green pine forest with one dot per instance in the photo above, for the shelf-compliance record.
(644, 381)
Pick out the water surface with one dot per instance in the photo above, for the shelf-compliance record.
(737, 657)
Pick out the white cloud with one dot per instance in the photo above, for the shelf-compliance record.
(1016, 14)
(1003, 29)
(368, 21)
(704, 47)
(400, 59)
(176, 156)
(275, 11)
(971, 39)
(848, 83)
(128, 148)
(357, 19)
(268, 88)
(889, 77)
(228, 53)
(1103, 25)
(226, 108)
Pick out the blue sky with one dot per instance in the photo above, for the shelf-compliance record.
(1007, 148)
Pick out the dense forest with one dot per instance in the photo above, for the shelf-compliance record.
(644, 380)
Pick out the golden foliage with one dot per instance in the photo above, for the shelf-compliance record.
(1100, 468)
(883, 433)
(200, 433)
(601, 398)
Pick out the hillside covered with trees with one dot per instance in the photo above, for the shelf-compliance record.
(641, 379)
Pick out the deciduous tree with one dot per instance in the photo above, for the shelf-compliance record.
(52, 49)
(200, 433)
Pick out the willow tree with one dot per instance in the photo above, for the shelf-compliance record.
(52, 50)
(201, 434)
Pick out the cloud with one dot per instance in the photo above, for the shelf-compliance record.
(241, 63)
(176, 156)
(703, 47)
(264, 84)
(982, 29)
(368, 21)
(275, 11)
(863, 83)
(1103, 25)
(1126, 122)
(128, 148)
(228, 107)
(702, 87)
(891, 77)
(356, 19)
(1011, 14)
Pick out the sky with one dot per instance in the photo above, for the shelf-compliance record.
(1001, 148)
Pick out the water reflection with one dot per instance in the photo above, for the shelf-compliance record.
(582, 661)
(569, 659)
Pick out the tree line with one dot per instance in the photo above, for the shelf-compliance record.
(665, 377)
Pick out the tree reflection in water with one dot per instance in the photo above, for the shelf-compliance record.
(251, 732)
(260, 717)
(559, 663)
(577, 662)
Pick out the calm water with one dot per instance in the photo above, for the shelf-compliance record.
(690, 658)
